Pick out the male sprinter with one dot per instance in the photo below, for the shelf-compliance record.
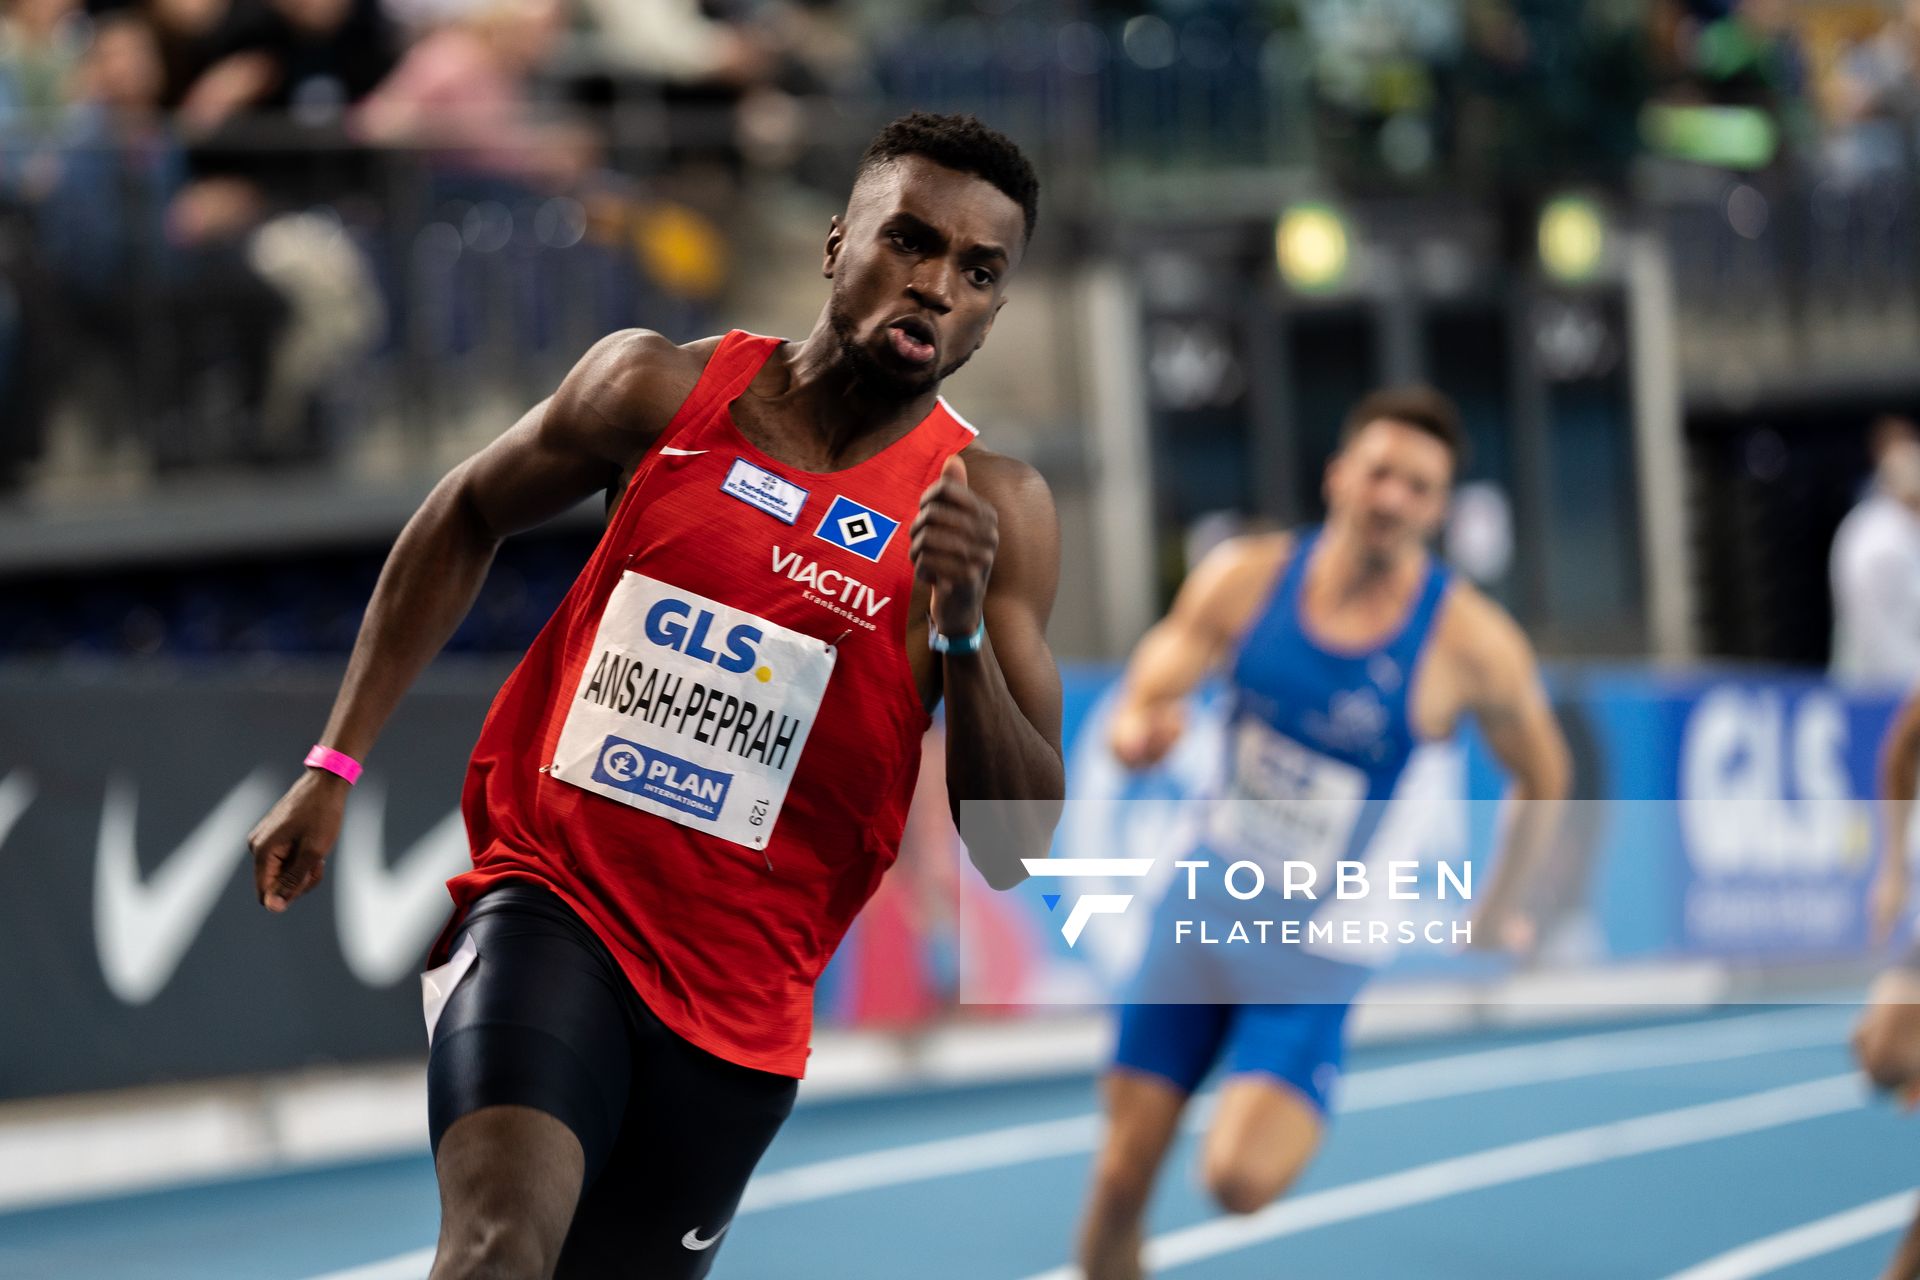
(700, 770)
(1347, 645)
(1887, 1041)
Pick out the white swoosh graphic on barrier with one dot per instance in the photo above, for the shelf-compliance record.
(388, 915)
(142, 926)
(16, 794)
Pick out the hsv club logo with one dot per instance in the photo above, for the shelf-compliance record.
(855, 528)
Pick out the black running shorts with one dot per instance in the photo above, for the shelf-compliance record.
(545, 1019)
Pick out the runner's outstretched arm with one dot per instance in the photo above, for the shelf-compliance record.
(988, 541)
(1215, 606)
(1508, 700)
(568, 447)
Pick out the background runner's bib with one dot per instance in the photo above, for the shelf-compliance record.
(692, 710)
(1285, 802)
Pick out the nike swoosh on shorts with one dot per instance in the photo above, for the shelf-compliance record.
(693, 1241)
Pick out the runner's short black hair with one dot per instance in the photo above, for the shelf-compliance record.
(964, 144)
(1420, 407)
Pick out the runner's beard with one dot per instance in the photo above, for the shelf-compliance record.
(870, 374)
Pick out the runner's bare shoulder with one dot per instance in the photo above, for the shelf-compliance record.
(626, 391)
(1230, 583)
(1244, 567)
(632, 383)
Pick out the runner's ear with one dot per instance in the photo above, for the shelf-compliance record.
(836, 237)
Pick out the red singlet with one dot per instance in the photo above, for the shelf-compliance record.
(710, 748)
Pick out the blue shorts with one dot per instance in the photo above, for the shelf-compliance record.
(1302, 1045)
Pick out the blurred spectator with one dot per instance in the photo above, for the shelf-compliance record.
(1549, 92)
(1875, 567)
(1887, 431)
(1737, 91)
(273, 107)
(327, 54)
(41, 42)
(313, 58)
(199, 41)
(677, 41)
(167, 323)
(1877, 77)
(1864, 86)
(40, 46)
(118, 164)
(463, 92)
(334, 316)
(100, 220)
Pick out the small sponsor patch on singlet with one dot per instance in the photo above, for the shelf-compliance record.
(1286, 802)
(758, 487)
(692, 710)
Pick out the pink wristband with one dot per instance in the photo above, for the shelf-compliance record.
(335, 762)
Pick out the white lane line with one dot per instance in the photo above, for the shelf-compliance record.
(1770, 1253)
(1575, 1057)
(1459, 1075)
(1602, 1053)
(408, 1266)
(1499, 1166)
(920, 1161)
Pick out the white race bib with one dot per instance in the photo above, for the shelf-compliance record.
(1286, 802)
(692, 710)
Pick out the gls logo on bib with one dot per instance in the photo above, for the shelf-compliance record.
(668, 627)
(855, 528)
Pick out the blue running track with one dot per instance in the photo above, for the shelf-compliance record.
(1609, 1153)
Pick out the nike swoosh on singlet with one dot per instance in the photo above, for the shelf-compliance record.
(143, 925)
(693, 1241)
(680, 453)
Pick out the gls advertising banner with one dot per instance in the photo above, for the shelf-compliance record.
(1772, 846)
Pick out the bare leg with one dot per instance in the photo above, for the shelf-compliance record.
(1143, 1114)
(1263, 1135)
(1886, 1043)
(509, 1180)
